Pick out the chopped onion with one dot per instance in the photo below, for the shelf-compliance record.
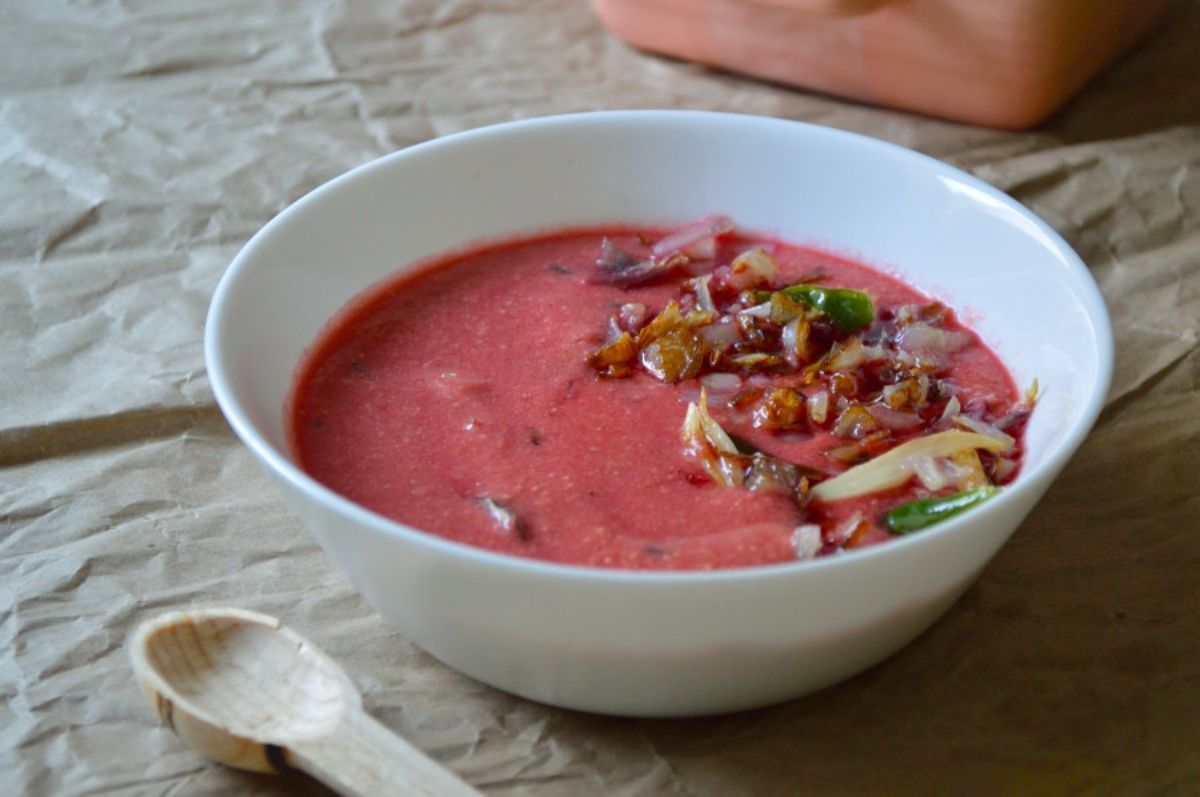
(853, 353)
(753, 268)
(704, 298)
(721, 335)
(846, 529)
(847, 356)
(722, 384)
(923, 337)
(790, 340)
(708, 442)
(953, 407)
(927, 471)
(1012, 419)
(617, 267)
(934, 474)
(758, 311)
(980, 427)
(970, 473)
(806, 541)
(855, 421)
(894, 419)
(504, 517)
(893, 468)
(1003, 468)
(612, 330)
(818, 407)
(632, 316)
(709, 227)
(906, 314)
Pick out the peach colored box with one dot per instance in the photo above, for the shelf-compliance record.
(1002, 63)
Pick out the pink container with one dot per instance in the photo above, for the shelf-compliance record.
(1002, 63)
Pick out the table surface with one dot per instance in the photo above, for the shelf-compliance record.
(142, 143)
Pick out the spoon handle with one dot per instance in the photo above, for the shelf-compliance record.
(363, 758)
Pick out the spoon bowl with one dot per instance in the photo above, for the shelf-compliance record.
(249, 692)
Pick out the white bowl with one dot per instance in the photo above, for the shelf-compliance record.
(646, 643)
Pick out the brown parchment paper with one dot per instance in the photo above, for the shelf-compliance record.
(141, 143)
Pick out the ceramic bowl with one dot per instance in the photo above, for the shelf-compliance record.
(647, 643)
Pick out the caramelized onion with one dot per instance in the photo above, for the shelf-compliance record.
(675, 356)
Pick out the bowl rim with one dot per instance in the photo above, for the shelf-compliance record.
(226, 396)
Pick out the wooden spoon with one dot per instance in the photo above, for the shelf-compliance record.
(249, 692)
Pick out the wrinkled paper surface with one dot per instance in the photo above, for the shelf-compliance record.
(141, 143)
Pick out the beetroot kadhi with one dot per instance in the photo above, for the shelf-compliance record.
(686, 399)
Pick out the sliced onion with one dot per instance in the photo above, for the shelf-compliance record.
(806, 541)
(894, 468)
(923, 337)
(894, 419)
(981, 427)
(708, 227)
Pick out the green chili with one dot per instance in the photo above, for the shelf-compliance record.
(849, 309)
(916, 515)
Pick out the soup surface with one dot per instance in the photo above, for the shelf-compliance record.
(654, 399)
